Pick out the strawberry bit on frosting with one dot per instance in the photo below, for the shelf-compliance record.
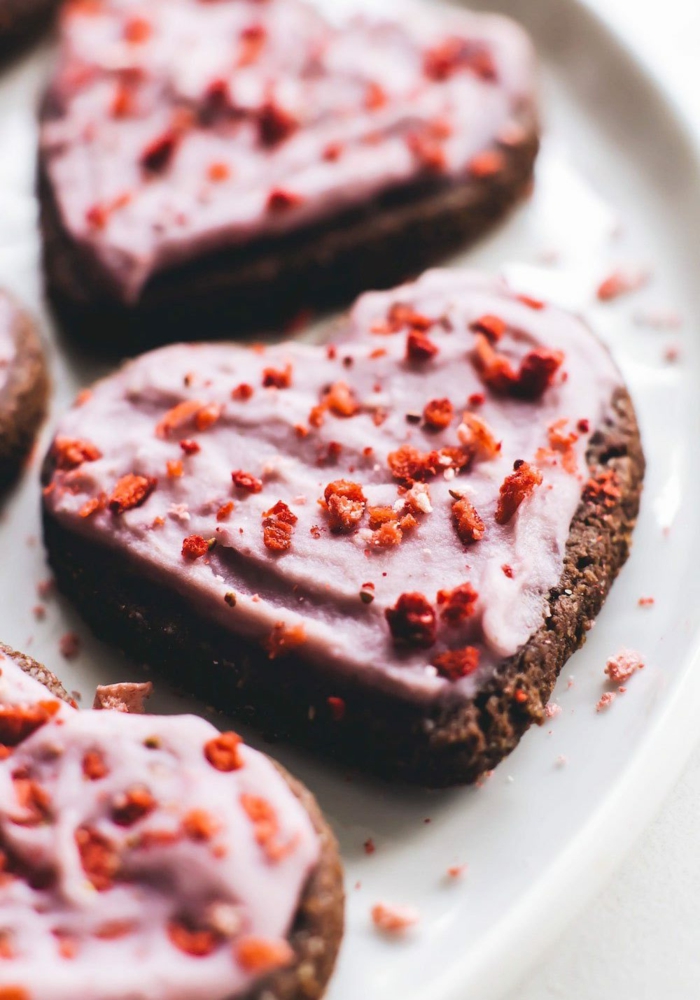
(155, 847)
(534, 376)
(412, 621)
(516, 488)
(278, 524)
(469, 525)
(621, 667)
(438, 414)
(457, 663)
(457, 604)
(410, 509)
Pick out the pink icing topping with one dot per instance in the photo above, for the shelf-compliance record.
(132, 866)
(8, 312)
(278, 117)
(244, 443)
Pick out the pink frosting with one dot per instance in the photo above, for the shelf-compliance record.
(65, 933)
(8, 313)
(316, 590)
(272, 97)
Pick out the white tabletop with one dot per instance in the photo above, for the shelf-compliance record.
(638, 940)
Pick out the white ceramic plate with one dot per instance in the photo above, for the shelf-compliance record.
(617, 185)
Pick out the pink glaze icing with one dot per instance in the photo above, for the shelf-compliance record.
(8, 312)
(64, 933)
(318, 583)
(366, 117)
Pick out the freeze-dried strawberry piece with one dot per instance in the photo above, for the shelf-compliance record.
(261, 956)
(17, 722)
(278, 524)
(457, 663)
(242, 392)
(401, 316)
(246, 482)
(492, 327)
(476, 435)
(94, 765)
(455, 55)
(282, 200)
(98, 856)
(535, 375)
(283, 639)
(621, 667)
(419, 347)
(207, 416)
(340, 400)
(457, 604)
(487, 163)
(158, 154)
(137, 30)
(177, 417)
(387, 535)
(408, 464)
(468, 523)
(518, 486)
(412, 621)
(131, 491)
(603, 489)
(345, 504)
(199, 825)
(132, 806)
(438, 414)
(197, 942)
(563, 442)
(275, 124)
(277, 378)
(428, 151)
(537, 370)
(223, 752)
(621, 282)
(393, 919)
(70, 453)
(34, 801)
(194, 547)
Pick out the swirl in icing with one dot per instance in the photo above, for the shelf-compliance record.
(211, 469)
(135, 862)
(278, 117)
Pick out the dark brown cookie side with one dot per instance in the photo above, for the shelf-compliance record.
(38, 671)
(271, 282)
(443, 744)
(23, 397)
(21, 21)
(319, 923)
(318, 926)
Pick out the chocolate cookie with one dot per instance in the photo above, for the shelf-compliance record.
(385, 548)
(20, 20)
(24, 386)
(192, 845)
(297, 164)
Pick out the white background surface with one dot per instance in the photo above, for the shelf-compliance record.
(638, 939)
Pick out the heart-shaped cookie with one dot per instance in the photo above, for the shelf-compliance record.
(389, 545)
(295, 156)
(133, 844)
